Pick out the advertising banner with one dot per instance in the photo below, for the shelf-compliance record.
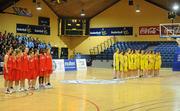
(81, 64)
(32, 29)
(113, 31)
(149, 30)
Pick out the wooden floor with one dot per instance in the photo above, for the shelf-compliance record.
(146, 94)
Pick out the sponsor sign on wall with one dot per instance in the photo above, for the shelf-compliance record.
(61, 65)
(81, 64)
(113, 31)
(149, 30)
(58, 65)
(32, 29)
(44, 21)
(70, 65)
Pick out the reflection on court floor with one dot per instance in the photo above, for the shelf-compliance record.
(92, 81)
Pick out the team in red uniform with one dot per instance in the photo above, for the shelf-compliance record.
(13, 69)
(7, 71)
(19, 66)
(42, 68)
(48, 68)
(31, 74)
(36, 62)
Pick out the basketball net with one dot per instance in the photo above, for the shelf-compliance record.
(178, 41)
(169, 38)
(170, 31)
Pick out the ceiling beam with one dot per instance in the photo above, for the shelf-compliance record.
(160, 5)
(7, 4)
(110, 5)
(51, 8)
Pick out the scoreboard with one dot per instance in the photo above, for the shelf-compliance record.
(74, 27)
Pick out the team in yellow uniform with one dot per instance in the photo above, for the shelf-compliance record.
(125, 68)
(134, 63)
(157, 64)
(121, 64)
(116, 64)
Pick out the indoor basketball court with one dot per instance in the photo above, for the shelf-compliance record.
(90, 55)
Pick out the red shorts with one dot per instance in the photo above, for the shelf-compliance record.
(17, 75)
(14, 71)
(24, 75)
(32, 74)
(36, 73)
(42, 73)
(48, 72)
(10, 75)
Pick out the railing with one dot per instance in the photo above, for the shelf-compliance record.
(101, 47)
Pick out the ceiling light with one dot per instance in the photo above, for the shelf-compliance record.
(38, 6)
(77, 24)
(74, 29)
(69, 24)
(175, 7)
(82, 13)
(138, 9)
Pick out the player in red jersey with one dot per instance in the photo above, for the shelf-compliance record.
(19, 64)
(10, 64)
(13, 74)
(31, 72)
(42, 68)
(6, 71)
(36, 62)
(24, 75)
(48, 68)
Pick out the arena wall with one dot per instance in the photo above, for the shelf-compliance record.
(8, 21)
(115, 16)
(121, 14)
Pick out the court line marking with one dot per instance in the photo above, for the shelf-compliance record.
(123, 107)
(133, 109)
(85, 99)
(158, 107)
(31, 93)
(13, 98)
(89, 101)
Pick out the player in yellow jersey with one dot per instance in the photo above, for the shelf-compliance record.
(121, 64)
(153, 63)
(146, 63)
(116, 64)
(129, 63)
(158, 63)
(137, 63)
(150, 63)
(133, 60)
(142, 63)
(125, 68)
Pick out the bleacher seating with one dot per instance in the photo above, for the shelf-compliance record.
(123, 46)
(166, 48)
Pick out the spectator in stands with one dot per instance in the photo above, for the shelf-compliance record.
(17, 41)
(1, 35)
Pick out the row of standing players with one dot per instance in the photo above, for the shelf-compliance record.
(22, 64)
(136, 63)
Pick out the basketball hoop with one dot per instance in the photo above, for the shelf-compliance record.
(178, 41)
(170, 31)
(169, 38)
